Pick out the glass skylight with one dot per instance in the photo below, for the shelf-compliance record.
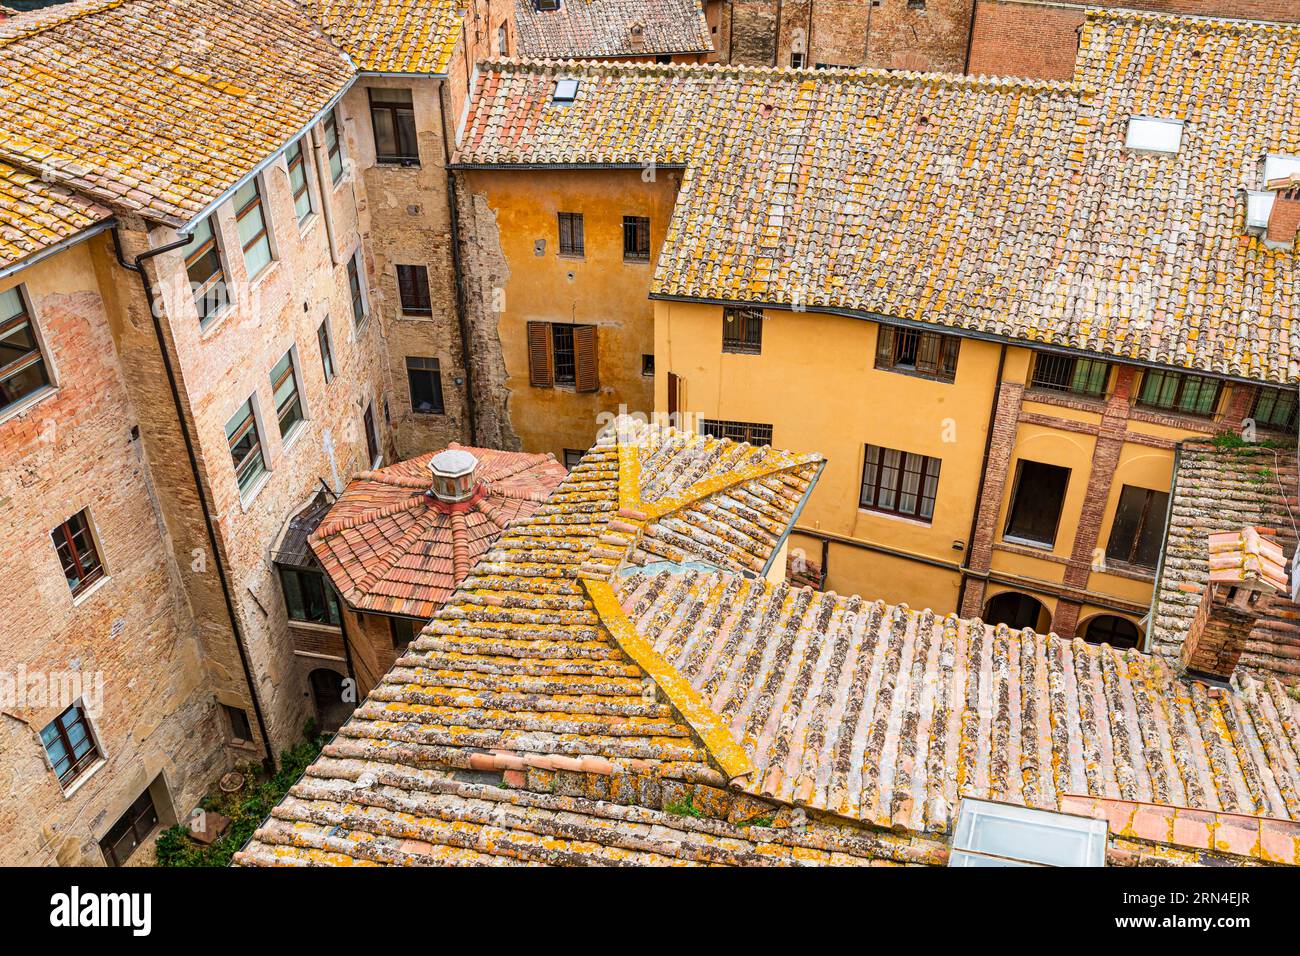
(565, 91)
(1152, 134)
(998, 834)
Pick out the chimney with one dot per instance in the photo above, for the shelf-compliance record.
(453, 475)
(636, 36)
(1284, 218)
(1245, 566)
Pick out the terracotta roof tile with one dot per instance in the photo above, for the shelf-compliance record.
(36, 215)
(596, 28)
(391, 36)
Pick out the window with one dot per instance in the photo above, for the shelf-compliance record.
(203, 265)
(75, 546)
(916, 4)
(572, 456)
(751, 432)
(288, 403)
(1110, 629)
(571, 237)
(742, 331)
(1151, 134)
(413, 290)
(1137, 535)
(129, 832)
(22, 363)
(1173, 391)
(403, 630)
(899, 482)
(932, 354)
(393, 117)
(251, 221)
(245, 446)
(547, 4)
(562, 354)
(1275, 408)
(566, 91)
(1064, 373)
(326, 349)
(307, 596)
(1036, 500)
(797, 61)
(502, 41)
(647, 365)
(999, 834)
(69, 744)
(333, 146)
(372, 435)
(636, 239)
(298, 181)
(424, 377)
(356, 291)
(237, 719)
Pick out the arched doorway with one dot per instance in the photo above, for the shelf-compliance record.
(327, 694)
(1120, 633)
(1017, 611)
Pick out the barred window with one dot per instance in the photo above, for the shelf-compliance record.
(742, 331)
(130, 831)
(899, 482)
(931, 354)
(636, 239)
(1174, 391)
(1064, 373)
(572, 241)
(1275, 408)
(752, 432)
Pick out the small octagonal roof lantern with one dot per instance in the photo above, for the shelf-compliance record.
(453, 475)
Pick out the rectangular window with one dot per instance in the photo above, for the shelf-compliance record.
(1036, 501)
(22, 363)
(245, 446)
(413, 290)
(899, 482)
(572, 456)
(647, 365)
(1275, 408)
(298, 182)
(288, 403)
(1138, 533)
(372, 434)
(751, 432)
(69, 744)
(253, 235)
(129, 832)
(1064, 373)
(796, 61)
(563, 354)
(572, 242)
(562, 349)
(502, 41)
(237, 719)
(334, 146)
(356, 291)
(636, 239)
(1174, 391)
(203, 265)
(403, 631)
(548, 4)
(931, 354)
(392, 115)
(307, 596)
(75, 546)
(424, 376)
(326, 350)
(742, 331)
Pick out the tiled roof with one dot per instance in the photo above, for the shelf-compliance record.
(391, 36)
(596, 28)
(157, 107)
(1001, 207)
(615, 683)
(35, 215)
(389, 548)
(1225, 488)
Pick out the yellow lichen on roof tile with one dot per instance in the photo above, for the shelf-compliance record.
(392, 36)
(36, 215)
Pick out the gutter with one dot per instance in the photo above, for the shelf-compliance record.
(457, 270)
(87, 233)
(575, 166)
(268, 762)
(785, 535)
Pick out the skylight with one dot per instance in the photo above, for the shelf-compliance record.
(565, 91)
(997, 834)
(1277, 166)
(1151, 134)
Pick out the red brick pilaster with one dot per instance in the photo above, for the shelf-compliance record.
(1241, 399)
(1066, 619)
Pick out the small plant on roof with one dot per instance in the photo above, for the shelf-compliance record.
(684, 807)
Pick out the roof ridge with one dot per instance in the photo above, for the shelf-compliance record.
(1190, 21)
(48, 18)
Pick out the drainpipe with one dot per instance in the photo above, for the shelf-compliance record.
(457, 267)
(268, 762)
(984, 470)
(326, 188)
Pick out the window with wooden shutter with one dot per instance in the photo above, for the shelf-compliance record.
(539, 354)
(927, 354)
(586, 358)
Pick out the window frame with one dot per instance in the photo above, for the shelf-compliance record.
(745, 325)
(296, 193)
(394, 622)
(1293, 419)
(258, 448)
(568, 378)
(408, 153)
(334, 155)
(635, 229)
(38, 356)
(129, 823)
(87, 575)
(254, 206)
(216, 280)
(329, 600)
(230, 710)
(1180, 389)
(357, 295)
(1040, 376)
(77, 767)
(290, 362)
(1007, 533)
(895, 338)
(758, 434)
(325, 342)
(434, 371)
(571, 235)
(414, 279)
(930, 468)
(1130, 558)
(370, 424)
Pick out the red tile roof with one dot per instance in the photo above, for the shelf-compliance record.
(390, 547)
(597, 28)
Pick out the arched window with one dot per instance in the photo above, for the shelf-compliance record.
(1120, 633)
(1017, 611)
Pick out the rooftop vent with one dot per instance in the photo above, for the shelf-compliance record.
(565, 91)
(636, 36)
(453, 475)
(997, 834)
(1151, 134)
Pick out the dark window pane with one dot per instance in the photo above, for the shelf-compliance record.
(742, 331)
(355, 291)
(424, 377)
(308, 597)
(392, 117)
(752, 432)
(333, 146)
(636, 238)
(245, 446)
(931, 354)
(326, 350)
(372, 433)
(239, 726)
(562, 346)
(22, 364)
(1036, 502)
(403, 631)
(75, 546)
(572, 241)
(130, 831)
(1137, 534)
(1275, 408)
(413, 290)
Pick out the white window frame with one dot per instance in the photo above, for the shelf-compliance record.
(47, 357)
(358, 325)
(309, 166)
(287, 441)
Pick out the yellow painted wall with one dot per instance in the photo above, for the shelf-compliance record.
(599, 288)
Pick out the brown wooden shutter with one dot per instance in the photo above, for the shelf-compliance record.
(674, 384)
(539, 354)
(884, 346)
(585, 358)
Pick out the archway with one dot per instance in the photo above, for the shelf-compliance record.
(1017, 611)
(327, 695)
(1119, 632)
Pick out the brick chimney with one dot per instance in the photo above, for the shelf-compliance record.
(1284, 220)
(1245, 567)
(636, 36)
